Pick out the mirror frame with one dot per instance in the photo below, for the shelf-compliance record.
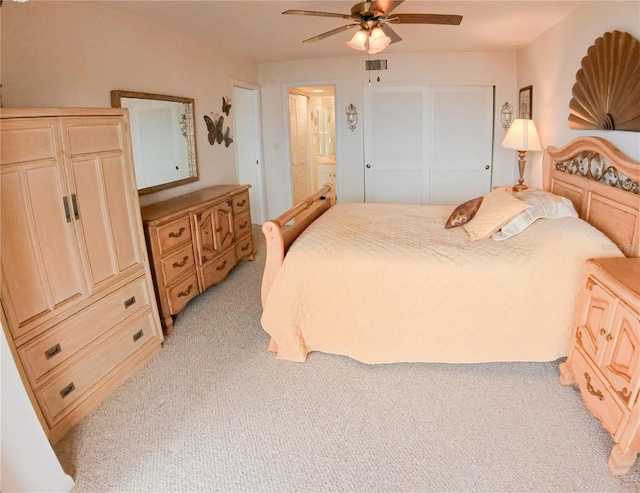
(116, 103)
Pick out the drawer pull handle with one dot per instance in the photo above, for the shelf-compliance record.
(218, 229)
(181, 264)
(241, 203)
(129, 302)
(590, 388)
(222, 265)
(602, 332)
(173, 234)
(67, 390)
(138, 335)
(243, 225)
(52, 351)
(245, 248)
(185, 293)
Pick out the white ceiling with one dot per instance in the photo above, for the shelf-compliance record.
(258, 30)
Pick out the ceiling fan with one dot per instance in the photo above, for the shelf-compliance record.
(373, 19)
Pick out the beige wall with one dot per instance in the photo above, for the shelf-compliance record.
(76, 53)
(550, 64)
(349, 77)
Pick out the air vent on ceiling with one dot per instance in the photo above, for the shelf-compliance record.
(375, 64)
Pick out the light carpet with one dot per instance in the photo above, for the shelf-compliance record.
(214, 411)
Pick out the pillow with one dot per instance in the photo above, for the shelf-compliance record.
(463, 213)
(543, 205)
(496, 210)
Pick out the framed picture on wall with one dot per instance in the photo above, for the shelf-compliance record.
(525, 102)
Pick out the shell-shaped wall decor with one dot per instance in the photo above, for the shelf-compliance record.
(606, 95)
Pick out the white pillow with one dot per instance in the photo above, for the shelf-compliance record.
(497, 209)
(543, 205)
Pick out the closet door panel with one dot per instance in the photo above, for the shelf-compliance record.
(102, 184)
(41, 271)
(396, 144)
(462, 142)
(121, 212)
(93, 221)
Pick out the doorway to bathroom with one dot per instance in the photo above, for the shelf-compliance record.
(312, 137)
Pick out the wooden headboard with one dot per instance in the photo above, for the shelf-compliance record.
(602, 183)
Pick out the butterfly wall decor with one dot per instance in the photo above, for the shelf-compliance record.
(214, 130)
(226, 105)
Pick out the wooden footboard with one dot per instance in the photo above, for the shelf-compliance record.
(279, 235)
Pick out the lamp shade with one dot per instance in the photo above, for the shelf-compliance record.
(378, 41)
(359, 40)
(522, 136)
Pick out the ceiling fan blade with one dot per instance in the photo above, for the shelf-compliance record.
(330, 33)
(317, 14)
(447, 19)
(386, 6)
(390, 32)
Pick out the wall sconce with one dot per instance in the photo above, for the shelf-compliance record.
(352, 116)
(505, 116)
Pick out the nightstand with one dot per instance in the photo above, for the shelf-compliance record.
(604, 360)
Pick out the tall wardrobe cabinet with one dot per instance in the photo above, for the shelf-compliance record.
(76, 292)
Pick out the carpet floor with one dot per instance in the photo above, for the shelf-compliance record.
(214, 411)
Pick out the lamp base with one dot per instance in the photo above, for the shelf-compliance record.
(520, 187)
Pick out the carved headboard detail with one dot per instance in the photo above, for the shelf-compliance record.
(602, 183)
(594, 166)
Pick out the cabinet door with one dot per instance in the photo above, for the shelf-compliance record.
(592, 333)
(41, 268)
(622, 360)
(106, 215)
(205, 234)
(224, 225)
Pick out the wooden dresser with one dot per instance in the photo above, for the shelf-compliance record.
(605, 358)
(77, 295)
(194, 241)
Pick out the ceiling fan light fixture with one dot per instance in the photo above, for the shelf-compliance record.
(378, 41)
(359, 41)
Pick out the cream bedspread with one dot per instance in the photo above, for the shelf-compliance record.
(386, 283)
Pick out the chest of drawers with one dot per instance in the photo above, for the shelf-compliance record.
(194, 241)
(605, 358)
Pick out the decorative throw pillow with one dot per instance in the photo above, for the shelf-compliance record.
(496, 210)
(463, 213)
(543, 205)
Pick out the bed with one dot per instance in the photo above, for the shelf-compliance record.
(386, 283)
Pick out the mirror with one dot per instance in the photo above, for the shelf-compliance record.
(162, 137)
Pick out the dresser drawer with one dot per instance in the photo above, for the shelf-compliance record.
(69, 388)
(241, 226)
(174, 265)
(596, 394)
(58, 344)
(174, 233)
(240, 203)
(216, 270)
(182, 292)
(244, 247)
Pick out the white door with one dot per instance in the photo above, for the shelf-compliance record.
(246, 110)
(396, 144)
(461, 153)
(301, 179)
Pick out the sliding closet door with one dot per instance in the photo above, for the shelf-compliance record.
(396, 144)
(461, 151)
